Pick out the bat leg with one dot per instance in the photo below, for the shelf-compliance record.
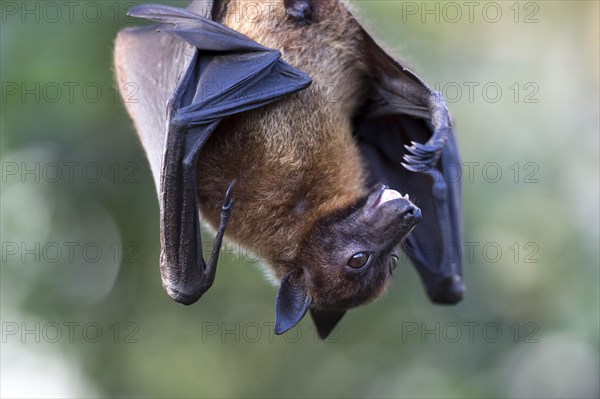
(211, 266)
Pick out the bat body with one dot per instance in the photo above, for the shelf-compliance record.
(294, 161)
(309, 149)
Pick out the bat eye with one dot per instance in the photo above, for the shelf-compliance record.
(359, 260)
(393, 262)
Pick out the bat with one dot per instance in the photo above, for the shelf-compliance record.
(292, 133)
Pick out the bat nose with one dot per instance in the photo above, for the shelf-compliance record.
(299, 10)
(412, 215)
(449, 290)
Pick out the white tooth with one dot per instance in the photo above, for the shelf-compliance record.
(389, 195)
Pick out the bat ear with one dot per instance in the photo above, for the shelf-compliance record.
(292, 303)
(326, 320)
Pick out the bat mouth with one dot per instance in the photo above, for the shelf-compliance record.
(387, 195)
(384, 199)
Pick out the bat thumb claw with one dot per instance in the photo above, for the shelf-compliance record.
(228, 202)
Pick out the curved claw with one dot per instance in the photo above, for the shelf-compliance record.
(427, 147)
(411, 159)
(211, 266)
(416, 161)
(228, 201)
(424, 156)
(416, 168)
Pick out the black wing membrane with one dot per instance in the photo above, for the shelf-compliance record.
(408, 142)
(326, 320)
(226, 73)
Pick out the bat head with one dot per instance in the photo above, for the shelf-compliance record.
(348, 258)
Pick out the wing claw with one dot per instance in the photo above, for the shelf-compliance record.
(228, 202)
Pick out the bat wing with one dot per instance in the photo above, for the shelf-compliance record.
(408, 142)
(225, 73)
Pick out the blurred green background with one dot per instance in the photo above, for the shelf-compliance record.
(82, 308)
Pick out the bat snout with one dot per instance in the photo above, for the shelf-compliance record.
(412, 216)
(392, 214)
(299, 10)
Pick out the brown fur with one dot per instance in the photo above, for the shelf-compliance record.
(301, 200)
(295, 161)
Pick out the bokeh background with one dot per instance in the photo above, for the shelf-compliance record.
(82, 308)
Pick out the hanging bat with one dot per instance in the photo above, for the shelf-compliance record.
(319, 129)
